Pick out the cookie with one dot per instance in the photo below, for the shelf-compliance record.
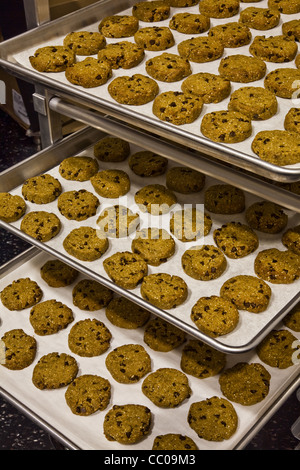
(20, 349)
(166, 387)
(277, 267)
(111, 184)
(162, 336)
(173, 442)
(168, 67)
(201, 49)
(87, 394)
(258, 18)
(78, 205)
(256, 103)
(246, 384)
(154, 38)
(163, 290)
(124, 313)
(291, 239)
(20, 294)
(185, 180)
(58, 274)
(201, 360)
(147, 164)
(123, 54)
(292, 319)
(227, 127)
(213, 419)
(242, 68)
(52, 59)
(154, 245)
(41, 189)
(177, 107)
(90, 295)
(288, 7)
(247, 293)
(224, 199)
(54, 370)
(41, 225)
(12, 208)
(155, 199)
(134, 90)
(282, 82)
(211, 88)
(128, 363)
(78, 168)
(84, 42)
(266, 216)
(118, 221)
(236, 240)
(89, 338)
(231, 34)
(49, 317)
(219, 8)
(291, 29)
(127, 424)
(276, 49)
(151, 11)
(292, 120)
(189, 23)
(111, 149)
(190, 224)
(215, 316)
(85, 244)
(277, 349)
(204, 262)
(126, 269)
(182, 3)
(118, 26)
(89, 73)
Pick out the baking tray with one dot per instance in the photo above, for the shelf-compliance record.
(252, 327)
(85, 433)
(14, 57)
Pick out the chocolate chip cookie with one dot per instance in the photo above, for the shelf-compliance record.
(89, 338)
(128, 363)
(163, 290)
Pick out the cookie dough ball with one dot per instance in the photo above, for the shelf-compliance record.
(147, 164)
(111, 149)
(174, 442)
(261, 19)
(111, 184)
(201, 49)
(201, 360)
(189, 23)
(12, 208)
(87, 394)
(291, 239)
(211, 88)
(219, 9)
(228, 127)
(124, 54)
(162, 336)
(126, 269)
(215, 316)
(78, 168)
(266, 217)
(58, 274)
(52, 59)
(85, 244)
(277, 267)
(123, 313)
(134, 90)
(151, 11)
(127, 424)
(247, 293)
(54, 371)
(89, 73)
(84, 42)
(168, 67)
(41, 189)
(164, 291)
(213, 419)
(167, 387)
(154, 38)
(128, 363)
(282, 82)
(277, 49)
(78, 205)
(231, 34)
(277, 349)
(90, 295)
(49, 317)
(118, 221)
(155, 245)
(118, 26)
(89, 338)
(256, 103)
(155, 199)
(242, 68)
(190, 224)
(20, 294)
(236, 240)
(292, 319)
(20, 349)
(224, 199)
(288, 7)
(177, 107)
(204, 263)
(185, 180)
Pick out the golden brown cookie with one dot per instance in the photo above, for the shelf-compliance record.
(89, 338)
(282, 82)
(260, 18)
(204, 262)
(201, 360)
(247, 293)
(162, 336)
(154, 38)
(123, 54)
(291, 239)
(123, 313)
(277, 267)
(229, 127)
(224, 199)
(151, 11)
(126, 269)
(164, 290)
(127, 424)
(277, 349)
(134, 90)
(276, 49)
(85, 243)
(219, 8)
(41, 225)
(20, 294)
(211, 88)
(236, 240)
(215, 316)
(84, 42)
(87, 394)
(256, 103)
(185, 180)
(52, 59)
(118, 26)
(12, 208)
(231, 34)
(89, 73)
(177, 107)
(155, 245)
(201, 49)
(111, 149)
(20, 349)
(166, 387)
(155, 199)
(168, 67)
(118, 221)
(266, 217)
(111, 184)
(189, 23)
(54, 370)
(292, 120)
(242, 68)
(128, 363)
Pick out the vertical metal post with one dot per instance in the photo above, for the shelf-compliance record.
(37, 12)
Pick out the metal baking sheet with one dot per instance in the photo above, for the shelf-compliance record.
(14, 56)
(251, 328)
(86, 433)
